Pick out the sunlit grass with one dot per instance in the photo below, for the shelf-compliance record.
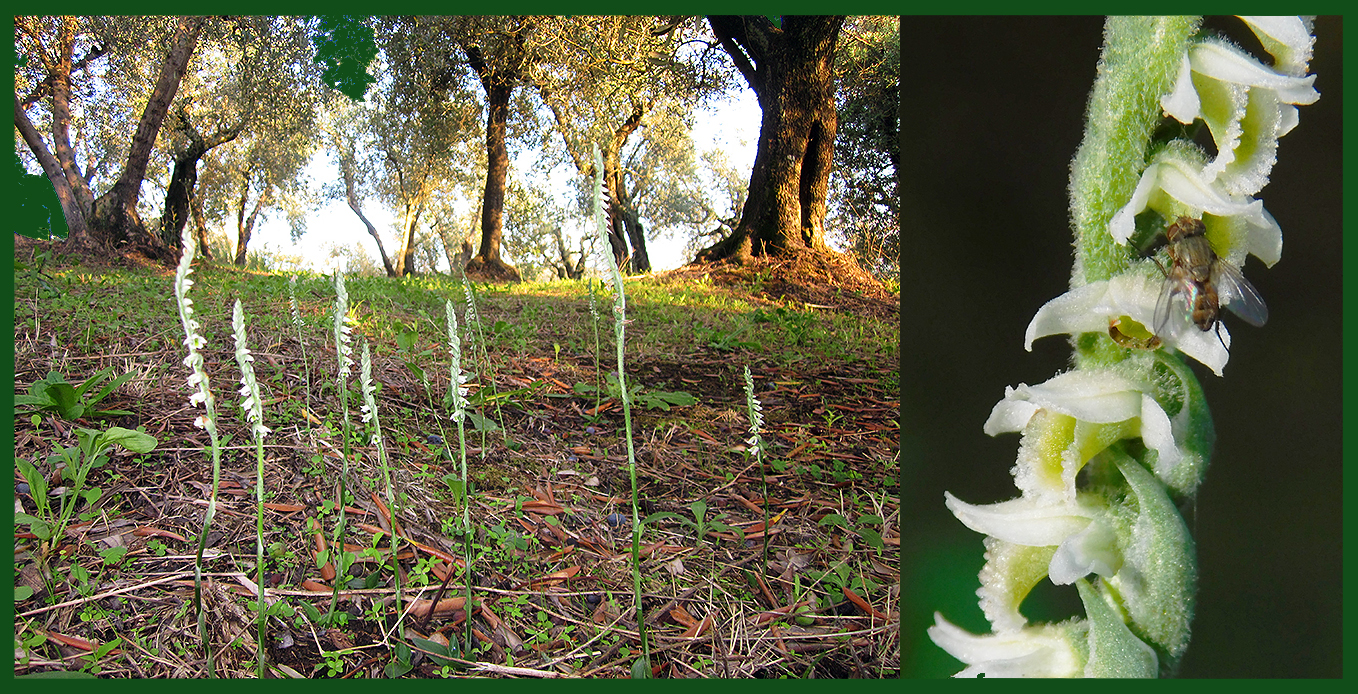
(661, 319)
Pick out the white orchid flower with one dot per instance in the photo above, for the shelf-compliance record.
(1173, 183)
(1131, 295)
(1105, 407)
(1246, 105)
(1037, 651)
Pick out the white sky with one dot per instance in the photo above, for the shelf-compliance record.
(731, 124)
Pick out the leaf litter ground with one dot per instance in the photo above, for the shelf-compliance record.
(552, 592)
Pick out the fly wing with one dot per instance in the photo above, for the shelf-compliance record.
(1171, 309)
(1237, 294)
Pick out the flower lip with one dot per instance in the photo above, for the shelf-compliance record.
(1184, 182)
(1100, 397)
(1035, 651)
(1092, 550)
(1227, 63)
(1131, 295)
(1023, 521)
(1287, 38)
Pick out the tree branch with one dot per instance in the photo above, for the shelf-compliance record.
(730, 31)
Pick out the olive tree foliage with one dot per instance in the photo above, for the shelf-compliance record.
(253, 89)
(247, 180)
(533, 233)
(630, 85)
(147, 99)
(720, 201)
(454, 217)
(864, 199)
(424, 123)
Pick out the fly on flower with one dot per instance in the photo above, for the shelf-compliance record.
(1198, 284)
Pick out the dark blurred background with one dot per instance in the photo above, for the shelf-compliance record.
(988, 135)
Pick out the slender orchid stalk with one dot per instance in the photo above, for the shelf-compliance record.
(301, 342)
(254, 415)
(369, 410)
(202, 394)
(457, 393)
(594, 321)
(755, 447)
(344, 323)
(1112, 449)
(619, 327)
(476, 344)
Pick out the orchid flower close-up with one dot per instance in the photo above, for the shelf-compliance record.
(1176, 340)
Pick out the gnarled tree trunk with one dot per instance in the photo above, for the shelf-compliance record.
(185, 175)
(245, 228)
(351, 196)
(79, 235)
(790, 69)
(200, 226)
(499, 84)
(115, 221)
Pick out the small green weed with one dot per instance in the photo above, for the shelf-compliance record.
(54, 395)
(654, 400)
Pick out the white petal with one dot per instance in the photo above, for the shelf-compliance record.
(1287, 39)
(1183, 103)
(1123, 223)
(1091, 308)
(1229, 64)
(1265, 240)
(1287, 118)
(1009, 415)
(1187, 185)
(1076, 311)
(1205, 347)
(1092, 550)
(1040, 651)
(1158, 434)
(1022, 521)
(1092, 396)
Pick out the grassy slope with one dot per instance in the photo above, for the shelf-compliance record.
(828, 381)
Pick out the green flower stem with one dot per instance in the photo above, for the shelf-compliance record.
(459, 409)
(198, 380)
(756, 449)
(620, 328)
(306, 363)
(343, 350)
(365, 377)
(254, 415)
(1141, 57)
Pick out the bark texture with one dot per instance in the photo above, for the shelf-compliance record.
(185, 175)
(499, 82)
(789, 68)
(78, 235)
(115, 220)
